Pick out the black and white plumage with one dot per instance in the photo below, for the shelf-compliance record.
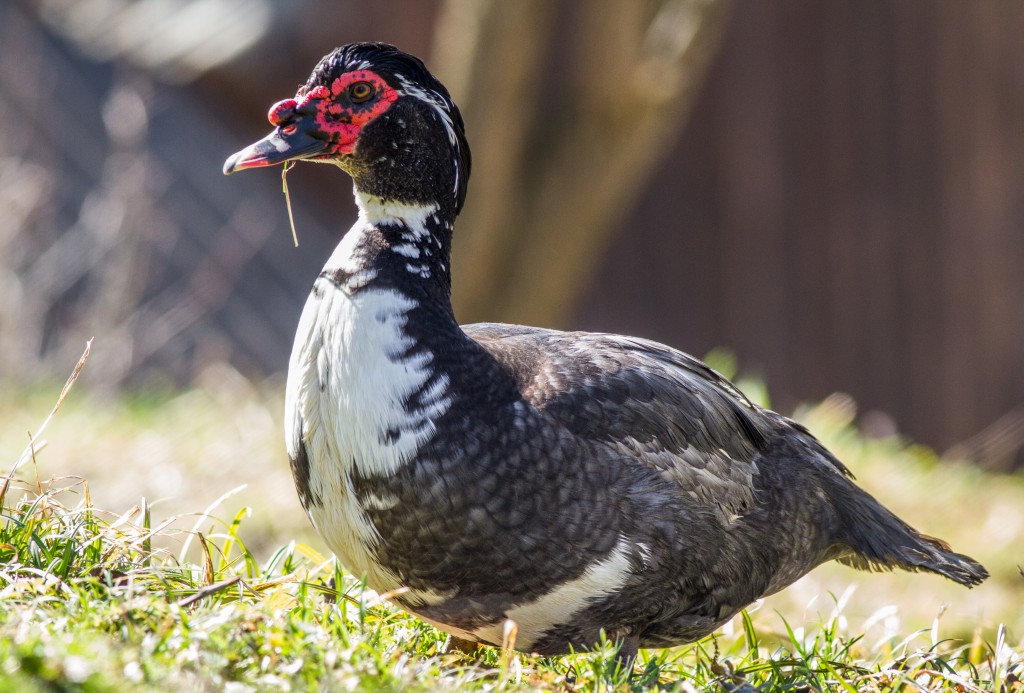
(572, 482)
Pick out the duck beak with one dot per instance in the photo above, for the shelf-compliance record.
(285, 143)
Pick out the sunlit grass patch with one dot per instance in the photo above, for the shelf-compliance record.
(74, 575)
(153, 598)
(87, 603)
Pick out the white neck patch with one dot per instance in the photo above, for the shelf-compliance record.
(413, 218)
(377, 210)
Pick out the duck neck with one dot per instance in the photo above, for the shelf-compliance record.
(399, 246)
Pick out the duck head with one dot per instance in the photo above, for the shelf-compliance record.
(380, 115)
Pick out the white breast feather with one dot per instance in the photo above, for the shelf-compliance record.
(345, 392)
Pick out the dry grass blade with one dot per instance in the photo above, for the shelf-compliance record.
(203, 517)
(207, 560)
(376, 600)
(509, 633)
(267, 584)
(209, 591)
(30, 450)
(391, 594)
(288, 199)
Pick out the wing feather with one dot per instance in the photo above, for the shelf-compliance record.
(644, 403)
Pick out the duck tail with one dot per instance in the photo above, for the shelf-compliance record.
(878, 540)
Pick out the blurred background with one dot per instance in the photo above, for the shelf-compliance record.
(833, 192)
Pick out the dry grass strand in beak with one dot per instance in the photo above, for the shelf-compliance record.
(288, 199)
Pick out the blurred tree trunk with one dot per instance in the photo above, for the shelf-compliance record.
(558, 158)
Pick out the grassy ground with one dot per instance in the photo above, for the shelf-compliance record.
(158, 595)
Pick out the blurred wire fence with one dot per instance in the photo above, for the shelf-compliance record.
(118, 224)
(833, 190)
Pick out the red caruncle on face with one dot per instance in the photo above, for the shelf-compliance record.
(338, 116)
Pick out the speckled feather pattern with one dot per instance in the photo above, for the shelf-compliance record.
(576, 483)
(561, 498)
(557, 456)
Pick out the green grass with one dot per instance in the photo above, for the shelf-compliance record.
(88, 605)
(239, 597)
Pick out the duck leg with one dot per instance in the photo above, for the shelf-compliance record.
(457, 644)
(624, 658)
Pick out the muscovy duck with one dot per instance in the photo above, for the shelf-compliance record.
(575, 483)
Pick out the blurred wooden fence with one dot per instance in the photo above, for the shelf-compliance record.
(846, 211)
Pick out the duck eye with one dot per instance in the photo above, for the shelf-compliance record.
(360, 92)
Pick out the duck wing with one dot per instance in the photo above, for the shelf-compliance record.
(646, 403)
